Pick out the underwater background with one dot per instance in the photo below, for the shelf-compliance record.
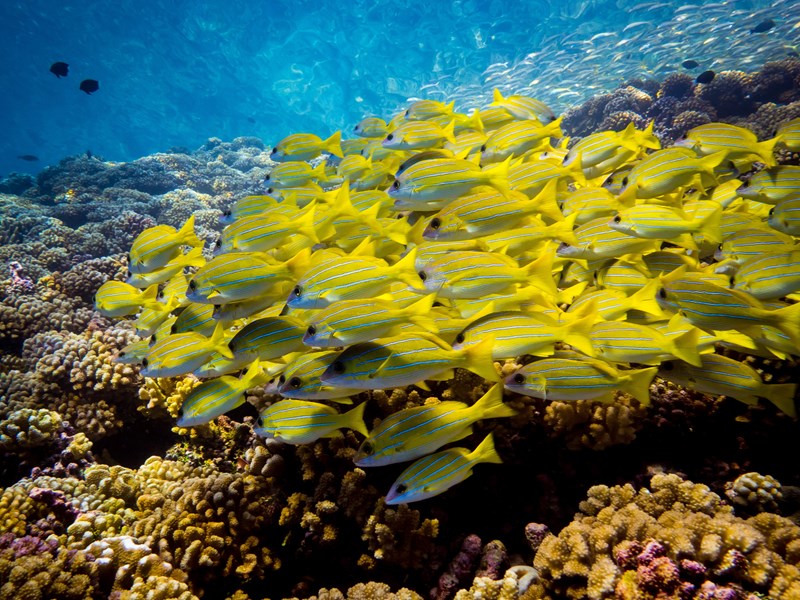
(227, 69)
(138, 138)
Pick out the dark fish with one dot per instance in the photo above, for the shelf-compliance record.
(28, 157)
(793, 54)
(59, 69)
(251, 120)
(89, 86)
(763, 26)
(690, 64)
(706, 77)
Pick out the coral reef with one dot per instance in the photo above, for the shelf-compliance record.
(676, 536)
(760, 101)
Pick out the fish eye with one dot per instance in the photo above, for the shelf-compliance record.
(355, 128)
(519, 378)
(667, 366)
(390, 137)
(733, 281)
(192, 285)
(145, 362)
(121, 354)
(219, 243)
(407, 111)
(270, 190)
(180, 412)
(174, 329)
(227, 213)
(422, 275)
(282, 379)
(460, 338)
(624, 181)
(745, 184)
(367, 448)
(771, 211)
(267, 178)
(161, 295)
(295, 382)
(129, 257)
(396, 184)
(337, 366)
(436, 223)
(274, 150)
(94, 298)
(617, 219)
(401, 488)
(662, 293)
(311, 330)
(297, 291)
(483, 148)
(260, 421)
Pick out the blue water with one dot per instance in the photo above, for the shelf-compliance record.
(174, 73)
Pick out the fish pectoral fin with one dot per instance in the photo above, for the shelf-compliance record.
(380, 368)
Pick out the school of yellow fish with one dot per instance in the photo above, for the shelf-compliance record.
(442, 240)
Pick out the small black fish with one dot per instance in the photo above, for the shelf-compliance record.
(706, 77)
(251, 120)
(28, 157)
(59, 69)
(793, 54)
(763, 26)
(89, 86)
(690, 64)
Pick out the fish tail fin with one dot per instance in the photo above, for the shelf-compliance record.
(474, 121)
(491, 405)
(638, 385)
(354, 419)
(419, 313)
(450, 107)
(405, 270)
(217, 341)
(709, 225)
(781, 395)
(497, 98)
(766, 150)
(304, 223)
(644, 299)
(539, 273)
(578, 334)
(299, 263)
(568, 295)
(334, 144)
(478, 359)
(194, 257)
(553, 128)
(564, 230)
(449, 131)
(708, 163)
(545, 201)
(486, 452)
(788, 321)
(497, 176)
(187, 235)
(254, 376)
(647, 138)
(149, 298)
(685, 346)
(319, 173)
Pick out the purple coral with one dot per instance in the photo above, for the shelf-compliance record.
(19, 280)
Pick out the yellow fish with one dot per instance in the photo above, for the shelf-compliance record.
(305, 146)
(304, 422)
(119, 299)
(156, 246)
